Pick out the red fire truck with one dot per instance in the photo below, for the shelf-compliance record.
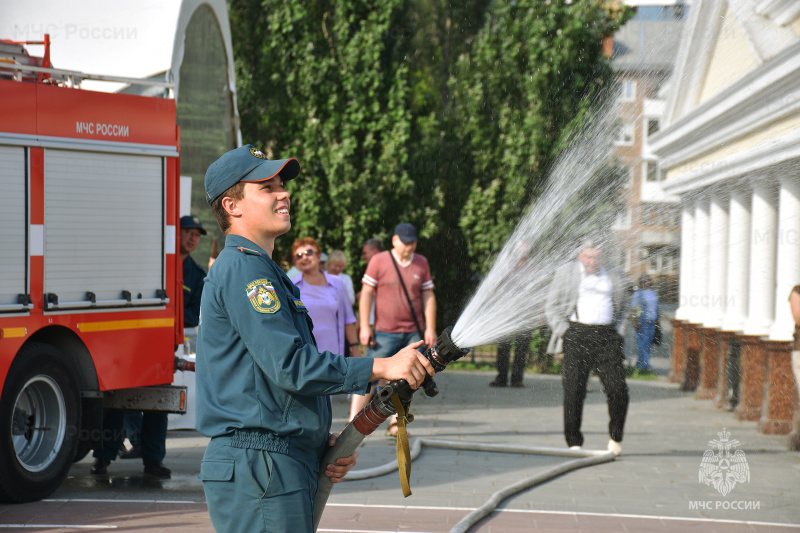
(90, 282)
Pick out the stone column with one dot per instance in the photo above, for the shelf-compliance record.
(763, 257)
(686, 279)
(718, 260)
(699, 294)
(698, 297)
(788, 262)
(685, 289)
(781, 392)
(738, 282)
(715, 294)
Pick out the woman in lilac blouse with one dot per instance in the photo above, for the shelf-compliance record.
(326, 299)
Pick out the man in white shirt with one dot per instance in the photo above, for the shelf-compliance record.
(585, 309)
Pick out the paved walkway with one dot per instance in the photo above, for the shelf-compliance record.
(653, 486)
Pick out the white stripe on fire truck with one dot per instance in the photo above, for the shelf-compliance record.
(37, 239)
(169, 236)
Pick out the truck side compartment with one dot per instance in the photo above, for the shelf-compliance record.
(90, 278)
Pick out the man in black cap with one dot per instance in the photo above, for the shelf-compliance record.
(400, 282)
(193, 274)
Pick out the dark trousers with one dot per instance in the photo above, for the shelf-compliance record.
(132, 425)
(587, 348)
(522, 345)
(154, 436)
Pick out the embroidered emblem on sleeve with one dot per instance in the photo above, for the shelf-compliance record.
(262, 296)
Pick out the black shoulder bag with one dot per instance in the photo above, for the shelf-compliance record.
(408, 298)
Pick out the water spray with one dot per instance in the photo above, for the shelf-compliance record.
(383, 405)
(577, 202)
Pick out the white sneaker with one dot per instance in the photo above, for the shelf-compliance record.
(574, 447)
(614, 446)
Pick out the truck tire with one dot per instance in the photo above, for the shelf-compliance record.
(39, 422)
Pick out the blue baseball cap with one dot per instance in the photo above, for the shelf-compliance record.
(406, 232)
(189, 222)
(248, 164)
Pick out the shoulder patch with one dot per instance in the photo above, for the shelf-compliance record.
(262, 296)
(299, 304)
(248, 251)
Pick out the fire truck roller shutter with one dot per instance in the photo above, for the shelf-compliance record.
(38, 440)
(103, 226)
(13, 260)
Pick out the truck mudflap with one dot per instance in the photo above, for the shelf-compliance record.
(158, 398)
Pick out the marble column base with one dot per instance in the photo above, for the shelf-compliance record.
(691, 373)
(678, 362)
(779, 389)
(752, 369)
(709, 364)
(723, 347)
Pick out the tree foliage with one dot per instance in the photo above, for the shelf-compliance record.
(328, 83)
(528, 78)
(409, 110)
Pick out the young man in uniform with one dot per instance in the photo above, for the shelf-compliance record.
(262, 384)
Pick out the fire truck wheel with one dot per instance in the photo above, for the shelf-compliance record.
(38, 440)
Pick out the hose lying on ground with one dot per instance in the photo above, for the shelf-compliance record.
(581, 459)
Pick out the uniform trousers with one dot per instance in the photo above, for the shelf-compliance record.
(586, 348)
(257, 491)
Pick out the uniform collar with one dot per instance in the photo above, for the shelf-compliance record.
(237, 241)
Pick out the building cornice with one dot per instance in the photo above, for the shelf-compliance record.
(783, 12)
(764, 96)
(752, 160)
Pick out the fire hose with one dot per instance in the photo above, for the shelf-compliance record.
(394, 398)
(578, 459)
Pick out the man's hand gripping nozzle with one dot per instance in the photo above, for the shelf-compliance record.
(394, 397)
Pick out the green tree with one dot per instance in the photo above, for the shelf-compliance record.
(328, 83)
(419, 111)
(527, 81)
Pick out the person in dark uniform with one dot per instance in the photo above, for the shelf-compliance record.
(193, 274)
(262, 384)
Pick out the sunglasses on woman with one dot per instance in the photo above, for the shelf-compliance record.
(305, 253)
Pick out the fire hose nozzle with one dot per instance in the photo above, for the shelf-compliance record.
(430, 388)
(440, 355)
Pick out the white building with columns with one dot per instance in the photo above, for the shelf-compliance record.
(730, 147)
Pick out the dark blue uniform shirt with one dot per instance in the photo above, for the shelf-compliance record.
(193, 277)
(258, 368)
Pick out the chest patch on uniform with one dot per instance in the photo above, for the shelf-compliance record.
(262, 296)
